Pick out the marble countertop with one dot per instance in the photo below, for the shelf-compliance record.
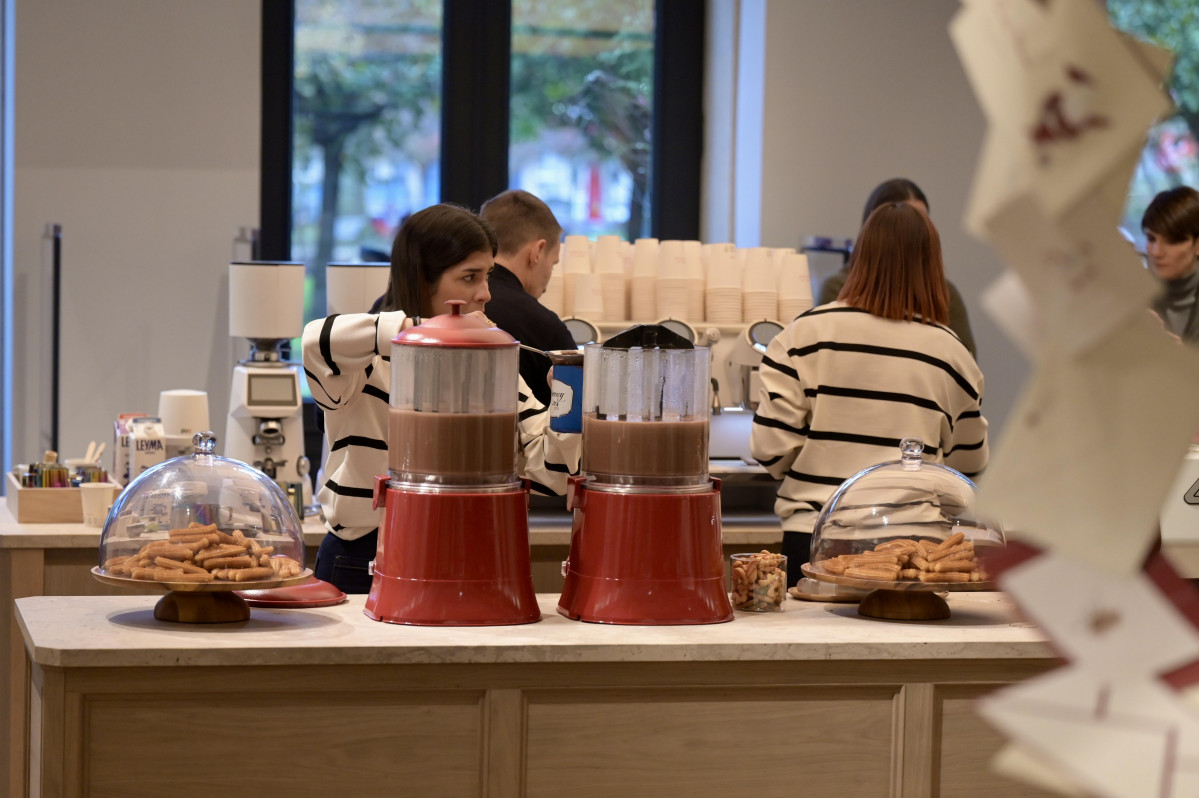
(121, 631)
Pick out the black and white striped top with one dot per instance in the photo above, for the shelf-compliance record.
(841, 388)
(347, 359)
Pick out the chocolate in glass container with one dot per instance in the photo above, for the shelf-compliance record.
(453, 400)
(645, 409)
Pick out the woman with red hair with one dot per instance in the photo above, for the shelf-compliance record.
(844, 383)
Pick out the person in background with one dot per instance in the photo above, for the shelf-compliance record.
(442, 252)
(1171, 226)
(528, 236)
(845, 382)
(900, 189)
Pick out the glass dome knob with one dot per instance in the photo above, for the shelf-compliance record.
(204, 442)
(910, 450)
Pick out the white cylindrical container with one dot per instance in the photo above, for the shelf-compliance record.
(692, 256)
(554, 297)
(795, 286)
(354, 287)
(266, 299)
(183, 411)
(589, 297)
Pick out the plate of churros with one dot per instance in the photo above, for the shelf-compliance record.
(907, 564)
(202, 559)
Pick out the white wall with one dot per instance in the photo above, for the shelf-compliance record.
(137, 129)
(855, 92)
(137, 125)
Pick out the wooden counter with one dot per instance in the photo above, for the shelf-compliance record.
(56, 560)
(814, 700)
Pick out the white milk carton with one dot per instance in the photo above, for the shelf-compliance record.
(120, 447)
(147, 444)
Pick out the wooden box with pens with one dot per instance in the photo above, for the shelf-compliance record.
(48, 492)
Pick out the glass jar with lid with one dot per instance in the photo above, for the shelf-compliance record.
(453, 403)
(906, 525)
(202, 524)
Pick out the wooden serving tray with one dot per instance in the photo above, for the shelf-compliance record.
(899, 600)
(201, 602)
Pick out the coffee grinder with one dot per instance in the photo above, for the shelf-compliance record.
(454, 543)
(265, 426)
(645, 544)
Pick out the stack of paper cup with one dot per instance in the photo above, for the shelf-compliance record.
(576, 260)
(589, 297)
(610, 267)
(673, 282)
(795, 286)
(626, 260)
(554, 297)
(722, 296)
(777, 254)
(692, 256)
(626, 257)
(759, 290)
(643, 294)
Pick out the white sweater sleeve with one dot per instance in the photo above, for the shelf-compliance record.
(339, 349)
(780, 426)
(544, 457)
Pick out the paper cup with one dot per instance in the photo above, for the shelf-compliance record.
(97, 498)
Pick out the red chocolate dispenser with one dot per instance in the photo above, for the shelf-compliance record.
(454, 543)
(645, 545)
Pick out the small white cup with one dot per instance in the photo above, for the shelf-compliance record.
(97, 499)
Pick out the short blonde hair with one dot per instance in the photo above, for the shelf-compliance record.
(519, 217)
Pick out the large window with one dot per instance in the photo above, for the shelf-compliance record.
(1171, 154)
(581, 98)
(388, 106)
(366, 131)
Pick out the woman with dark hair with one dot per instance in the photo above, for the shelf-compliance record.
(441, 253)
(1171, 225)
(900, 189)
(844, 383)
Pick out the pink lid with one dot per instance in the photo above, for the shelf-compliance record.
(455, 330)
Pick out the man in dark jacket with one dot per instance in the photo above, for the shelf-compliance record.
(529, 241)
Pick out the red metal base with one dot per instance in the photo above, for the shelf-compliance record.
(645, 559)
(452, 559)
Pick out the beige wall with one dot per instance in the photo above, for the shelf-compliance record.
(835, 96)
(136, 129)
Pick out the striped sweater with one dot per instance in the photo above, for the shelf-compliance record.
(347, 359)
(841, 388)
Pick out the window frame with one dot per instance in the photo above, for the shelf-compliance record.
(476, 68)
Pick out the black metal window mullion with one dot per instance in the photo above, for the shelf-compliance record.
(678, 123)
(275, 154)
(476, 70)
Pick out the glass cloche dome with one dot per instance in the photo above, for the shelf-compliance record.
(202, 522)
(907, 520)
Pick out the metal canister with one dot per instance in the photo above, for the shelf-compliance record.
(295, 494)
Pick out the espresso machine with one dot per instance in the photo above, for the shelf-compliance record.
(454, 543)
(645, 544)
(265, 426)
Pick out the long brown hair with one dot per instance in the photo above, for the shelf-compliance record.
(429, 242)
(896, 271)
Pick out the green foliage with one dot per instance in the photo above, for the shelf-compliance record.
(1173, 24)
